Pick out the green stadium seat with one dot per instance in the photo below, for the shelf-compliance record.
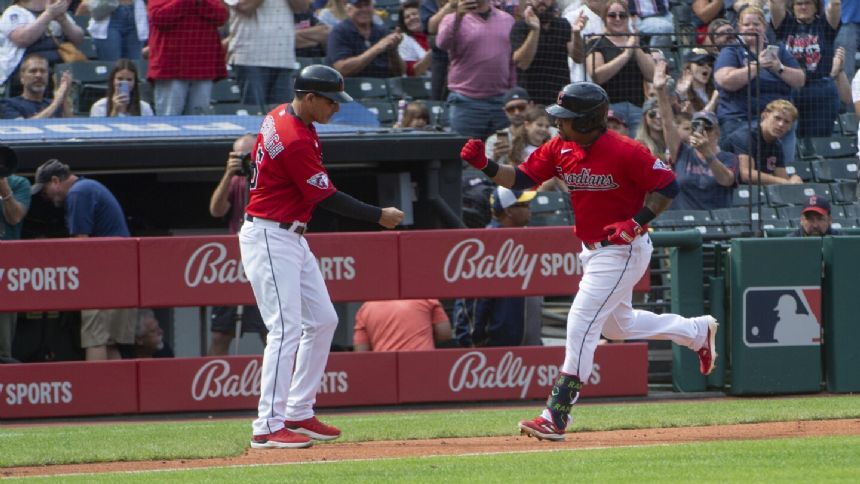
(743, 195)
(366, 87)
(835, 170)
(409, 88)
(385, 111)
(849, 123)
(551, 208)
(800, 168)
(844, 192)
(782, 195)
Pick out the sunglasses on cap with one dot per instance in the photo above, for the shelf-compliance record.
(617, 15)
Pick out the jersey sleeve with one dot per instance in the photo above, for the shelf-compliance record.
(651, 173)
(540, 165)
(304, 168)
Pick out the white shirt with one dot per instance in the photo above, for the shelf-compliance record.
(99, 109)
(410, 50)
(855, 96)
(267, 39)
(592, 27)
(11, 54)
(98, 29)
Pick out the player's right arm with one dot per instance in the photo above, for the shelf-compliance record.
(474, 153)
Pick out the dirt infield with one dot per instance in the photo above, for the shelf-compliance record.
(460, 446)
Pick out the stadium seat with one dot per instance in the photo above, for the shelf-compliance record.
(366, 87)
(307, 61)
(800, 168)
(745, 194)
(237, 109)
(851, 210)
(781, 195)
(776, 224)
(835, 170)
(741, 215)
(849, 123)
(409, 88)
(87, 72)
(82, 20)
(832, 147)
(385, 111)
(844, 192)
(226, 91)
(550, 208)
(88, 47)
(790, 212)
(685, 218)
(438, 113)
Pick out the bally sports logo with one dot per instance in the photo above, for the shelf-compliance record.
(472, 371)
(216, 379)
(62, 278)
(468, 260)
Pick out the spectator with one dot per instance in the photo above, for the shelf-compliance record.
(148, 338)
(704, 13)
(416, 115)
(706, 175)
(358, 47)
(542, 42)
(653, 18)
(775, 69)
(401, 325)
(585, 20)
(123, 93)
(414, 49)
(809, 37)
(815, 219)
(849, 34)
(696, 85)
(617, 123)
(432, 12)
(30, 27)
(498, 145)
(477, 38)
(229, 199)
(535, 132)
(311, 34)
(618, 64)
(335, 11)
(122, 33)
(776, 121)
(14, 204)
(185, 54)
(650, 130)
(32, 103)
(262, 50)
(506, 321)
(720, 33)
(91, 211)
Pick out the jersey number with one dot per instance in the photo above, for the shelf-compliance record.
(255, 168)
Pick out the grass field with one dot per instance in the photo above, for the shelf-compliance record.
(817, 459)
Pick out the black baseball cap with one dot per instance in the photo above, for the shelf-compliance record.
(817, 204)
(698, 54)
(47, 170)
(514, 94)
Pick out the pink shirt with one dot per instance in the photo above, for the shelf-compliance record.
(398, 325)
(481, 62)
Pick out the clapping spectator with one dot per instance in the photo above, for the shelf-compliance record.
(30, 27)
(414, 49)
(262, 50)
(185, 54)
(32, 103)
(122, 33)
(619, 65)
(705, 174)
(477, 38)
(542, 43)
(123, 93)
(585, 20)
(358, 47)
(809, 37)
(695, 89)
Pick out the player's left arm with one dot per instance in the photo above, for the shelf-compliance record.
(508, 176)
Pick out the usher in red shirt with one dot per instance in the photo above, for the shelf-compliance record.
(607, 183)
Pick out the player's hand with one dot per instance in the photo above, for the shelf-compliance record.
(391, 217)
(623, 233)
(473, 153)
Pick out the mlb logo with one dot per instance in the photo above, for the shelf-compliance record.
(782, 316)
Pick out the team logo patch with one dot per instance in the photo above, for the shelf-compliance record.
(320, 180)
(661, 165)
(782, 316)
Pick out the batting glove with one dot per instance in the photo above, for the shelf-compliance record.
(623, 233)
(473, 153)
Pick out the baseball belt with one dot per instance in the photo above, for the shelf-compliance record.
(296, 227)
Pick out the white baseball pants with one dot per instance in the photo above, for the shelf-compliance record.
(299, 315)
(604, 305)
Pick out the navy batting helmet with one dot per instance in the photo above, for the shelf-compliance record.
(586, 103)
(322, 80)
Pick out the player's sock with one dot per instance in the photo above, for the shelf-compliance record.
(564, 394)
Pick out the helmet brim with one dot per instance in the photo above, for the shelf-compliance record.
(557, 111)
(336, 96)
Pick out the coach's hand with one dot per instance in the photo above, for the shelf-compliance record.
(391, 217)
(623, 233)
(473, 153)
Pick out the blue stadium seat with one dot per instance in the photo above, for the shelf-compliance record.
(366, 87)
(409, 88)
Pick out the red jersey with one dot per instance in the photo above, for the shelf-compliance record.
(607, 183)
(289, 179)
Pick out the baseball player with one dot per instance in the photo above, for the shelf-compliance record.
(609, 176)
(288, 180)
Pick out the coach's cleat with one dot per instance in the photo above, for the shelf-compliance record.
(708, 353)
(282, 439)
(313, 428)
(541, 428)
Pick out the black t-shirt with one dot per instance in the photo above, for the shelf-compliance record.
(771, 153)
(812, 44)
(549, 71)
(18, 107)
(307, 20)
(626, 85)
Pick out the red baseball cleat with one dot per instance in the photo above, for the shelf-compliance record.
(541, 428)
(313, 428)
(708, 353)
(282, 439)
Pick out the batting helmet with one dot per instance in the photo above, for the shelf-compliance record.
(586, 103)
(322, 80)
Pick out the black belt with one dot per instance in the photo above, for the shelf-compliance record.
(299, 229)
(596, 245)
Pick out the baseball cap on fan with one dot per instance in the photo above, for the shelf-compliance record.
(503, 198)
(817, 204)
(49, 169)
